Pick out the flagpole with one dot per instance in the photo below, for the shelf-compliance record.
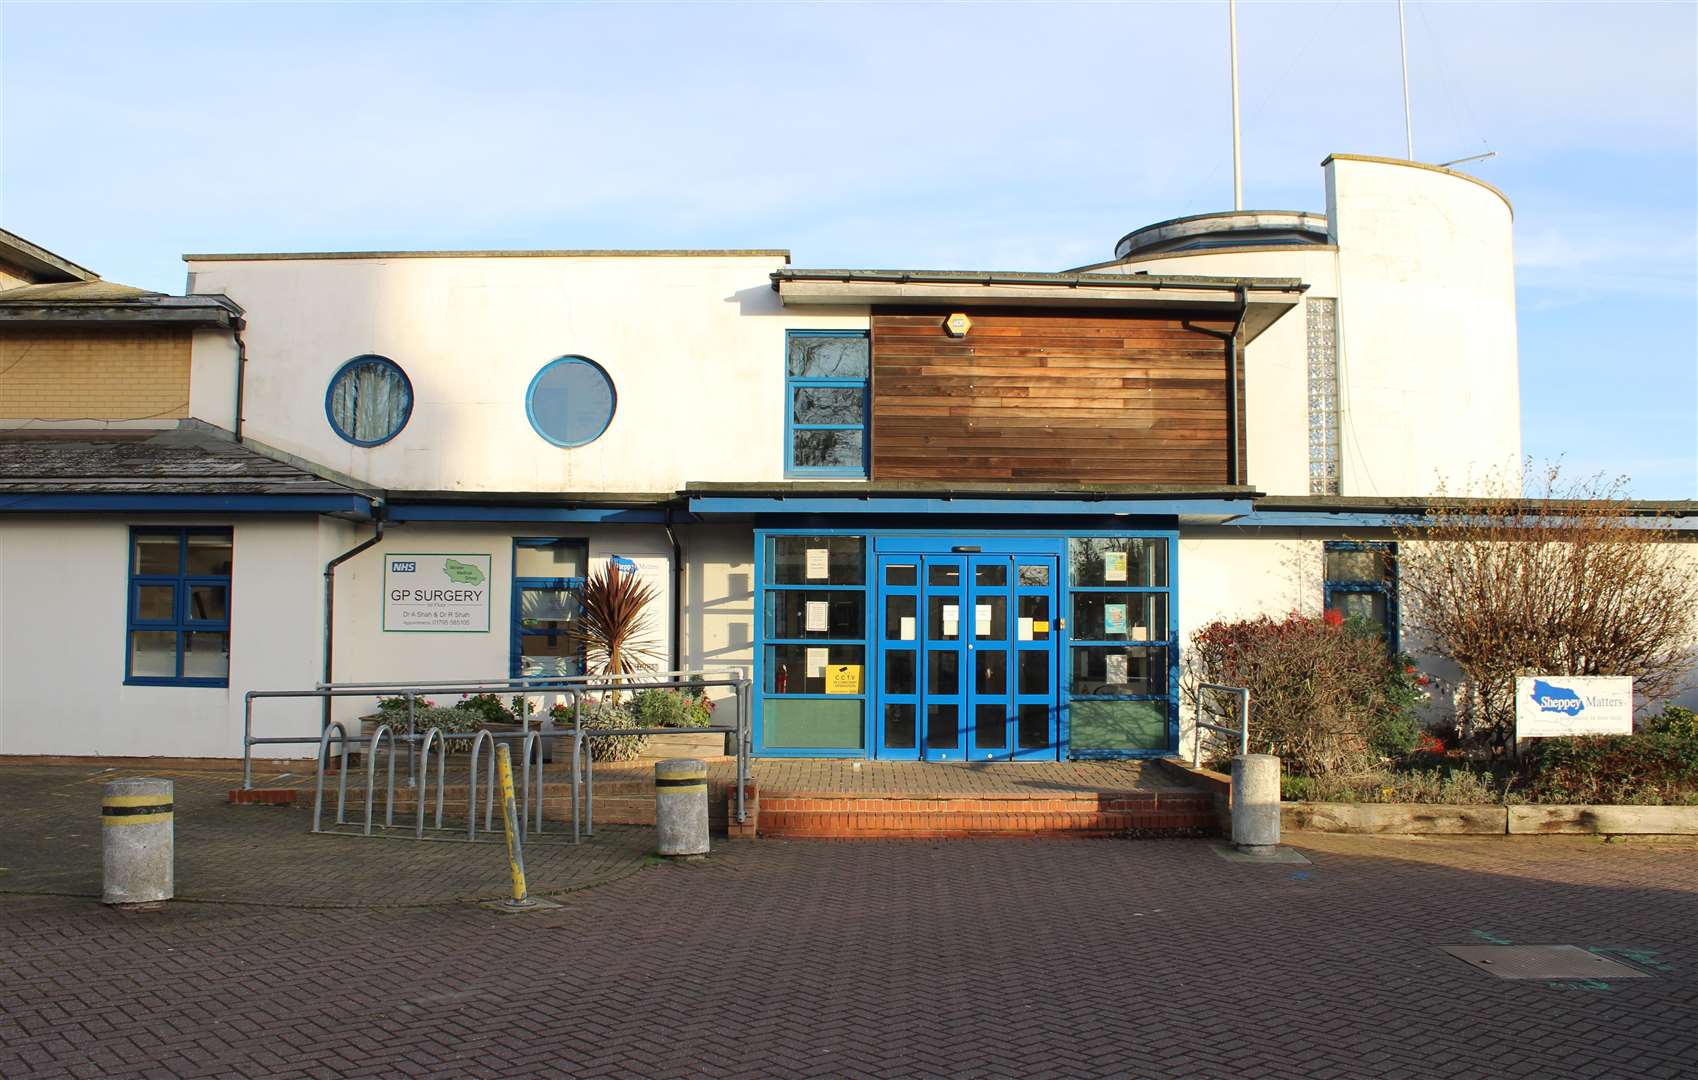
(1237, 159)
(1403, 49)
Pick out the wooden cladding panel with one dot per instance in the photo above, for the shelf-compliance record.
(1051, 397)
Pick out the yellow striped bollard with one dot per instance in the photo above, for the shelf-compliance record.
(138, 839)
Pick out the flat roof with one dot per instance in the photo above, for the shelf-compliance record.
(539, 253)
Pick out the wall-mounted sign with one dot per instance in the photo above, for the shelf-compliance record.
(1114, 619)
(958, 324)
(818, 562)
(1552, 705)
(447, 594)
(843, 679)
(1114, 566)
(622, 564)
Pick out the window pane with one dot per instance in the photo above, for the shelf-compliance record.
(370, 400)
(990, 672)
(1033, 732)
(900, 574)
(548, 608)
(1364, 566)
(990, 727)
(1111, 670)
(829, 449)
(1117, 561)
(899, 726)
(828, 405)
(1037, 574)
(943, 574)
(943, 672)
(208, 603)
(1034, 618)
(156, 602)
(899, 621)
(943, 727)
(815, 613)
(899, 671)
(990, 618)
(1119, 725)
(153, 654)
(550, 654)
(571, 401)
(800, 669)
(1033, 672)
(812, 723)
(992, 575)
(823, 356)
(1369, 607)
(206, 655)
(815, 560)
(209, 556)
(1117, 616)
(565, 559)
(943, 618)
(156, 555)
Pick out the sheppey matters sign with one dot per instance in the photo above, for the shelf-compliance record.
(1551, 705)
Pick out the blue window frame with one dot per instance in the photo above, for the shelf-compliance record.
(826, 378)
(1361, 584)
(369, 400)
(548, 586)
(571, 401)
(1099, 717)
(177, 626)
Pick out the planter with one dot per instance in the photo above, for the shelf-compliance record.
(1605, 819)
(685, 744)
(1419, 819)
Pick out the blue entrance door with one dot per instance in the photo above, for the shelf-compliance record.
(966, 666)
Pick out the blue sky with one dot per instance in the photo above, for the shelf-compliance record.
(1006, 136)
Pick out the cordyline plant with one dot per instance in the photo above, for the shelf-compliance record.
(616, 625)
(1572, 579)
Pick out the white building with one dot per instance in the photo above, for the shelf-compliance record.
(939, 515)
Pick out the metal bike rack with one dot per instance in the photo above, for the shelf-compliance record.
(533, 748)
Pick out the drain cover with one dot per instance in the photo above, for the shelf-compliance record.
(1542, 962)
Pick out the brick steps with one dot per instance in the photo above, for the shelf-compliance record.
(1050, 814)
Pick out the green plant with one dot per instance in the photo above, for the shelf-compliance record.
(1324, 696)
(445, 721)
(605, 716)
(1457, 785)
(671, 708)
(1674, 721)
(1648, 768)
(616, 624)
(488, 708)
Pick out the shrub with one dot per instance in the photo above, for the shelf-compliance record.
(1674, 721)
(1439, 785)
(671, 708)
(487, 707)
(1658, 767)
(1324, 696)
(608, 747)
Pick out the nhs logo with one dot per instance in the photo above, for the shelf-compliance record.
(403, 566)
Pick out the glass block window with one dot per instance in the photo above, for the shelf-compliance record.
(825, 403)
(178, 631)
(369, 400)
(1323, 396)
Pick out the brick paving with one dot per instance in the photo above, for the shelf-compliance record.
(974, 958)
(265, 854)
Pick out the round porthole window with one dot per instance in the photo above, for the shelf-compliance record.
(369, 400)
(571, 401)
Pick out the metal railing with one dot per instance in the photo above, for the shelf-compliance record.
(533, 750)
(1242, 731)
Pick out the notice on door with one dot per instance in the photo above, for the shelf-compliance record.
(1114, 566)
(843, 679)
(951, 620)
(907, 628)
(816, 660)
(1114, 619)
(981, 620)
(818, 619)
(1024, 628)
(444, 594)
(818, 564)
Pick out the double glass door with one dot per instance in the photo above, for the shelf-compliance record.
(967, 657)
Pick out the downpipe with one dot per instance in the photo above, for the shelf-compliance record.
(330, 602)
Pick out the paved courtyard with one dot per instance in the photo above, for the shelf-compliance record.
(950, 959)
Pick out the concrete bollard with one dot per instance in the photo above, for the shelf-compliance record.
(1255, 803)
(681, 806)
(138, 827)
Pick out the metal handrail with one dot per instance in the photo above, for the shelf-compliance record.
(1242, 730)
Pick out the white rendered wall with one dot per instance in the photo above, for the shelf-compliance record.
(694, 345)
(62, 642)
(1427, 340)
(365, 652)
(212, 378)
(719, 591)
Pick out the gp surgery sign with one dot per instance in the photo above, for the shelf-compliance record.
(436, 593)
(1550, 705)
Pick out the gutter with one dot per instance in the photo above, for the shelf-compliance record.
(330, 601)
